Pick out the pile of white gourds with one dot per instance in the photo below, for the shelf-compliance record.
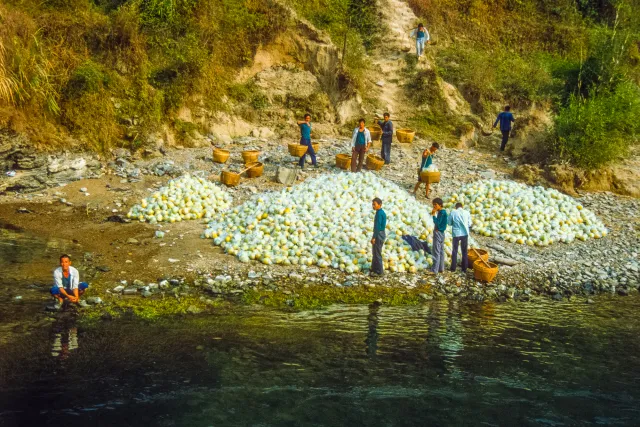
(328, 222)
(526, 215)
(183, 198)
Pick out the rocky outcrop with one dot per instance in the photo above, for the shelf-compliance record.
(25, 170)
(622, 178)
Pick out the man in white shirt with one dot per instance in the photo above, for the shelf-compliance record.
(360, 143)
(66, 282)
(460, 222)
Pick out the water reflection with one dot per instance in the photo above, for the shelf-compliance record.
(444, 363)
(64, 342)
(372, 335)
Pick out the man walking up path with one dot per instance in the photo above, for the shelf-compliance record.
(379, 236)
(505, 118)
(460, 222)
(387, 137)
(360, 143)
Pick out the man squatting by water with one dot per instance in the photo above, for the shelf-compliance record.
(379, 236)
(66, 282)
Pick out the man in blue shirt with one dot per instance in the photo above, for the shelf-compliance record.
(360, 143)
(305, 139)
(460, 222)
(505, 118)
(439, 227)
(387, 137)
(379, 236)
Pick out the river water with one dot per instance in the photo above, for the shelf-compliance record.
(443, 363)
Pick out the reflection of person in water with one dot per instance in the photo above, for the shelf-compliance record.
(372, 335)
(65, 340)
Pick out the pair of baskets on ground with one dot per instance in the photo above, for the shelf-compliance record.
(483, 270)
(253, 167)
(374, 163)
(248, 156)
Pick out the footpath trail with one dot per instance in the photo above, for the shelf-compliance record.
(388, 58)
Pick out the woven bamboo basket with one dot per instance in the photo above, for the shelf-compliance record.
(255, 170)
(297, 150)
(220, 155)
(374, 163)
(316, 146)
(250, 156)
(405, 135)
(230, 179)
(376, 132)
(484, 271)
(343, 161)
(430, 177)
(474, 254)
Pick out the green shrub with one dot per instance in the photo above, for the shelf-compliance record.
(87, 78)
(591, 132)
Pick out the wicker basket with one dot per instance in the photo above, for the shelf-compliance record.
(405, 135)
(256, 170)
(474, 254)
(250, 156)
(297, 150)
(374, 163)
(316, 147)
(430, 177)
(484, 271)
(230, 179)
(343, 161)
(376, 132)
(220, 155)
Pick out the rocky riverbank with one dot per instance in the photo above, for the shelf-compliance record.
(169, 267)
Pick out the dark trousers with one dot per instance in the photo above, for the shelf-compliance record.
(376, 262)
(464, 241)
(358, 158)
(310, 152)
(385, 153)
(505, 138)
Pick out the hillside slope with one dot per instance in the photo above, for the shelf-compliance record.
(140, 74)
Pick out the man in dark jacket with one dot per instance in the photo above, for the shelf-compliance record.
(505, 118)
(387, 137)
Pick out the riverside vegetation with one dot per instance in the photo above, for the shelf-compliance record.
(111, 72)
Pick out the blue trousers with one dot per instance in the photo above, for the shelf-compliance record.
(307, 142)
(55, 290)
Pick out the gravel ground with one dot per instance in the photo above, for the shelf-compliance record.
(559, 271)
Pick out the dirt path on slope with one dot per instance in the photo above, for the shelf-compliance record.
(388, 59)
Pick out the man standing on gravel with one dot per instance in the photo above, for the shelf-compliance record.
(360, 143)
(305, 139)
(505, 118)
(379, 236)
(460, 222)
(387, 137)
(439, 227)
